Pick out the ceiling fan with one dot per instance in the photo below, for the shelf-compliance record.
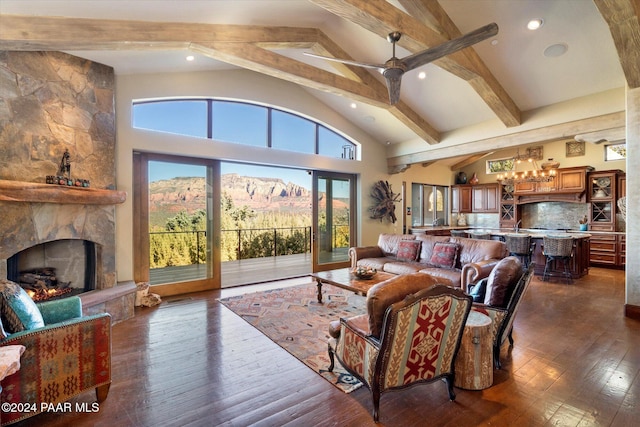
(394, 68)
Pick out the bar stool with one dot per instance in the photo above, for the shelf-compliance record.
(521, 246)
(557, 248)
(480, 236)
(459, 233)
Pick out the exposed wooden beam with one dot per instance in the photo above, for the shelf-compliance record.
(251, 57)
(244, 46)
(469, 160)
(381, 18)
(607, 135)
(623, 18)
(540, 135)
(430, 13)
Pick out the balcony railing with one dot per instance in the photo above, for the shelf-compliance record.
(249, 243)
(172, 248)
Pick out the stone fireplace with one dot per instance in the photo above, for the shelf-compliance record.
(52, 102)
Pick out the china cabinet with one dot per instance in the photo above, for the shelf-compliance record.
(508, 207)
(602, 198)
(605, 188)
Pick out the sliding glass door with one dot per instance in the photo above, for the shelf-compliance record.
(333, 219)
(174, 222)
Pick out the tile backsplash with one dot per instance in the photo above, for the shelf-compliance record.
(553, 215)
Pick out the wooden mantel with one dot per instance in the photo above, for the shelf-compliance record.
(20, 191)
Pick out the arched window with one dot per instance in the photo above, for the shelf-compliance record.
(242, 123)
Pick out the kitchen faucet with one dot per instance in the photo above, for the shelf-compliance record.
(517, 226)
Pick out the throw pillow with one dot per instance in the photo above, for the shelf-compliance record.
(17, 309)
(502, 280)
(445, 254)
(408, 250)
(477, 290)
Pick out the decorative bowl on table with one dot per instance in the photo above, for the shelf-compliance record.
(364, 273)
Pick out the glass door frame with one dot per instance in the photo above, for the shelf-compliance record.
(140, 216)
(315, 234)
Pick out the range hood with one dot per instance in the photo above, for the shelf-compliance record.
(569, 185)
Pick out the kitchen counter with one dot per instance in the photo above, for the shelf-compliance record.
(534, 232)
(579, 263)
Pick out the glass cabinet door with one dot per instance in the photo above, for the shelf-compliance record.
(601, 197)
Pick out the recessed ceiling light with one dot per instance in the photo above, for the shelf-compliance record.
(494, 42)
(422, 75)
(556, 50)
(190, 58)
(353, 105)
(534, 24)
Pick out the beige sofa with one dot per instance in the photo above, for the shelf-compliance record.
(473, 261)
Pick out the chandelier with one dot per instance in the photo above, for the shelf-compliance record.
(533, 174)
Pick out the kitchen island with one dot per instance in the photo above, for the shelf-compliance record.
(579, 265)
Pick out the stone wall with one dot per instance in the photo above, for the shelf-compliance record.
(51, 102)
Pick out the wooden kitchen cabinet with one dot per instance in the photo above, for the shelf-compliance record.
(571, 179)
(604, 190)
(604, 249)
(602, 198)
(461, 198)
(571, 182)
(622, 185)
(482, 198)
(508, 206)
(485, 198)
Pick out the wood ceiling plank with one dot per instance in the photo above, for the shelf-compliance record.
(381, 18)
(235, 44)
(623, 18)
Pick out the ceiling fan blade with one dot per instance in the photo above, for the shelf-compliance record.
(378, 67)
(393, 85)
(446, 48)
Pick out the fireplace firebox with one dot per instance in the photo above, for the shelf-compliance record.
(55, 269)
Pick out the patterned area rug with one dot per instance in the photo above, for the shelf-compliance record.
(292, 318)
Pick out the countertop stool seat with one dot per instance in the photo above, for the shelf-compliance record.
(459, 233)
(480, 236)
(557, 249)
(521, 246)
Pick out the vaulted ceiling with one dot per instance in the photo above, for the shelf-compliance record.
(498, 81)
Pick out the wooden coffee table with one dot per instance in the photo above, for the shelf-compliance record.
(343, 278)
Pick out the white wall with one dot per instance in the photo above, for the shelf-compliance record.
(237, 85)
(633, 200)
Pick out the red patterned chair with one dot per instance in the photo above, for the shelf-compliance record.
(386, 349)
(65, 353)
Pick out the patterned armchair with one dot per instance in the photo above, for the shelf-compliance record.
(416, 342)
(65, 353)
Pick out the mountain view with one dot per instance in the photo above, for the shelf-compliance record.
(259, 217)
(168, 197)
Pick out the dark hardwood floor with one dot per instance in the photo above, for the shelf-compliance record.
(192, 362)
